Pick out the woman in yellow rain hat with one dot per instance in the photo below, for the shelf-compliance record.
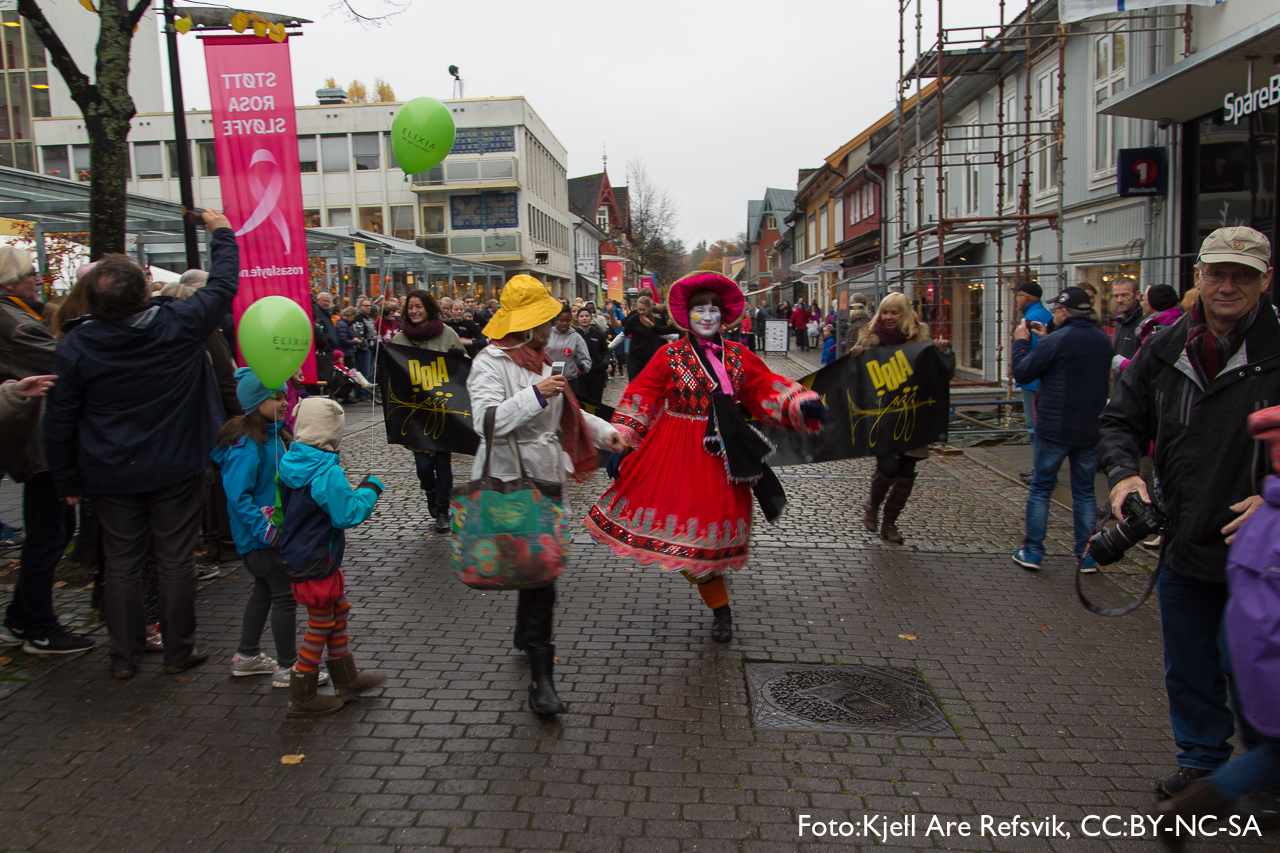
(556, 440)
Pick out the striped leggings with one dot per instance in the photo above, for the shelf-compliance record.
(326, 626)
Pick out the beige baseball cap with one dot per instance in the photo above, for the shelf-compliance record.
(1237, 245)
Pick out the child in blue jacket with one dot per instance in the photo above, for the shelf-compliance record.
(319, 504)
(248, 454)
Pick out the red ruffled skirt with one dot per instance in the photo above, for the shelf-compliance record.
(674, 506)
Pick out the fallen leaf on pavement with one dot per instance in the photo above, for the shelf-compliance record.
(1043, 629)
(59, 584)
(180, 678)
(906, 636)
(5, 661)
(235, 577)
(89, 585)
(292, 759)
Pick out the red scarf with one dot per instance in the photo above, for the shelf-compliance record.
(575, 438)
(889, 337)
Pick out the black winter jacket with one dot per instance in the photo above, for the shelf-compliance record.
(1205, 459)
(1074, 367)
(1127, 342)
(326, 336)
(136, 406)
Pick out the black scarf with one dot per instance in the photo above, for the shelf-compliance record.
(743, 447)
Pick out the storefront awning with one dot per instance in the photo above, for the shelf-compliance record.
(1196, 85)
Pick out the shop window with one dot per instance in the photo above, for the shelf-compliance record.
(311, 217)
(207, 155)
(1110, 75)
(333, 153)
(402, 221)
(1102, 278)
(433, 219)
(308, 157)
(364, 149)
(371, 219)
(148, 160)
(339, 217)
(55, 160)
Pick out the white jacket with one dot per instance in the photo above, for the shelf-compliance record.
(496, 380)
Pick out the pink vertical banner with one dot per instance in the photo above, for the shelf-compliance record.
(256, 139)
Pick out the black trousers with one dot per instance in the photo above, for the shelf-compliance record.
(591, 387)
(167, 521)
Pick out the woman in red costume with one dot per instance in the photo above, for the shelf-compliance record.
(683, 493)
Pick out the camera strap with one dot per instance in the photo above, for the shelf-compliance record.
(1131, 606)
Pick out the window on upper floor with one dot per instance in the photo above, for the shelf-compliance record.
(333, 153)
(55, 160)
(770, 222)
(207, 154)
(1043, 140)
(365, 148)
(602, 218)
(811, 244)
(824, 237)
(308, 156)
(148, 160)
(1110, 77)
(837, 219)
(1011, 114)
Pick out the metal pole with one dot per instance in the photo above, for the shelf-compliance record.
(190, 239)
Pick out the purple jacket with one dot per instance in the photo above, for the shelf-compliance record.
(1252, 618)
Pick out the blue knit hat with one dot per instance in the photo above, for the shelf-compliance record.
(250, 391)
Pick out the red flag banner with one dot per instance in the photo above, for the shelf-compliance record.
(256, 139)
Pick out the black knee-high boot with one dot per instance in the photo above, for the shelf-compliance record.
(539, 608)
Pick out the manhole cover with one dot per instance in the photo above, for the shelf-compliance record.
(866, 699)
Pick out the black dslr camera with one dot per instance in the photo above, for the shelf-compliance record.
(1140, 521)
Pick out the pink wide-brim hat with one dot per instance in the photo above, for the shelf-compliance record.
(732, 300)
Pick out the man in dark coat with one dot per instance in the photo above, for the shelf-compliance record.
(131, 422)
(325, 335)
(1073, 368)
(1128, 302)
(1189, 391)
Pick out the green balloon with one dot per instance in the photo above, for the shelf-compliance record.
(421, 134)
(275, 337)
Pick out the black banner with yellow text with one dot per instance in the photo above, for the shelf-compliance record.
(425, 400)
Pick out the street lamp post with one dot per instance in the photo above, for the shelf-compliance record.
(180, 136)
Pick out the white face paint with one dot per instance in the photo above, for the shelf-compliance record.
(704, 320)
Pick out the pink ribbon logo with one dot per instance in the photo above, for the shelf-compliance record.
(267, 196)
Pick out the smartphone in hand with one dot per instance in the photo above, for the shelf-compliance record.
(557, 368)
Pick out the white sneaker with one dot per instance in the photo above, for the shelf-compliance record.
(259, 664)
(284, 673)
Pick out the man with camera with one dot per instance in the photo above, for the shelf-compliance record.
(1072, 367)
(1189, 390)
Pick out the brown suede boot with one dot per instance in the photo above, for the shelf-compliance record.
(304, 701)
(1199, 799)
(871, 509)
(347, 681)
(893, 506)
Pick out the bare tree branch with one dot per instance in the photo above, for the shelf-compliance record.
(135, 15)
(375, 20)
(77, 81)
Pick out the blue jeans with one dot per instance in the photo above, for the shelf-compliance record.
(435, 474)
(1256, 769)
(50, 524)
(1029, 412)
(1196, 670)
(1084, 510)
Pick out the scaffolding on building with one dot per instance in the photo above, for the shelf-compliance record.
(957, 60)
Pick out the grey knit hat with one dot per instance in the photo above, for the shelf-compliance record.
(319, 423)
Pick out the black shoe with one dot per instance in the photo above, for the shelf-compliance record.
(198, 655)
(722, 625)
(1176, 782)
(60, 642)
(1026, 477)
(1263, 806)
(442, 522)
(11, 636)
(542, 693)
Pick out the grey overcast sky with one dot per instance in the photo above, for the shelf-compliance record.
(719, 100)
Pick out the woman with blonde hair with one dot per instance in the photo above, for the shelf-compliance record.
(895, 323)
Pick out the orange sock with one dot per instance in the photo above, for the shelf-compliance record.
(713, 593)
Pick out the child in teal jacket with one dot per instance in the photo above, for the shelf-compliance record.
(248, 454)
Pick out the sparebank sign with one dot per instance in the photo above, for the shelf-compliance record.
(1237, 107)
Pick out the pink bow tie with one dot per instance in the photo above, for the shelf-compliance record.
(713, 351)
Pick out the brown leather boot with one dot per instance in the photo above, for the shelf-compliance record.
(1199, 799)
(304, 701)
(893, 506)
(347, 681)
(871, 509)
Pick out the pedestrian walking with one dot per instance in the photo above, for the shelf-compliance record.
(591, 383)
(468, 332)
(895, 324)
(1189, 391)
(513, 376)
(647, 328)
(799, 321)
(1072, 368)
(828, 345)
(682, 499)
(424, 328)
(318, 506)
(350, 340)
(366, 328)
(130, 423)
(567, 346)
(1026, 297)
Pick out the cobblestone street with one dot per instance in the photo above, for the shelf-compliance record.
(1055, 712)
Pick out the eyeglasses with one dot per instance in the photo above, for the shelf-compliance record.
(1241, 278)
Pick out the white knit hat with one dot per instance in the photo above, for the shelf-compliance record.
(319, 423)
